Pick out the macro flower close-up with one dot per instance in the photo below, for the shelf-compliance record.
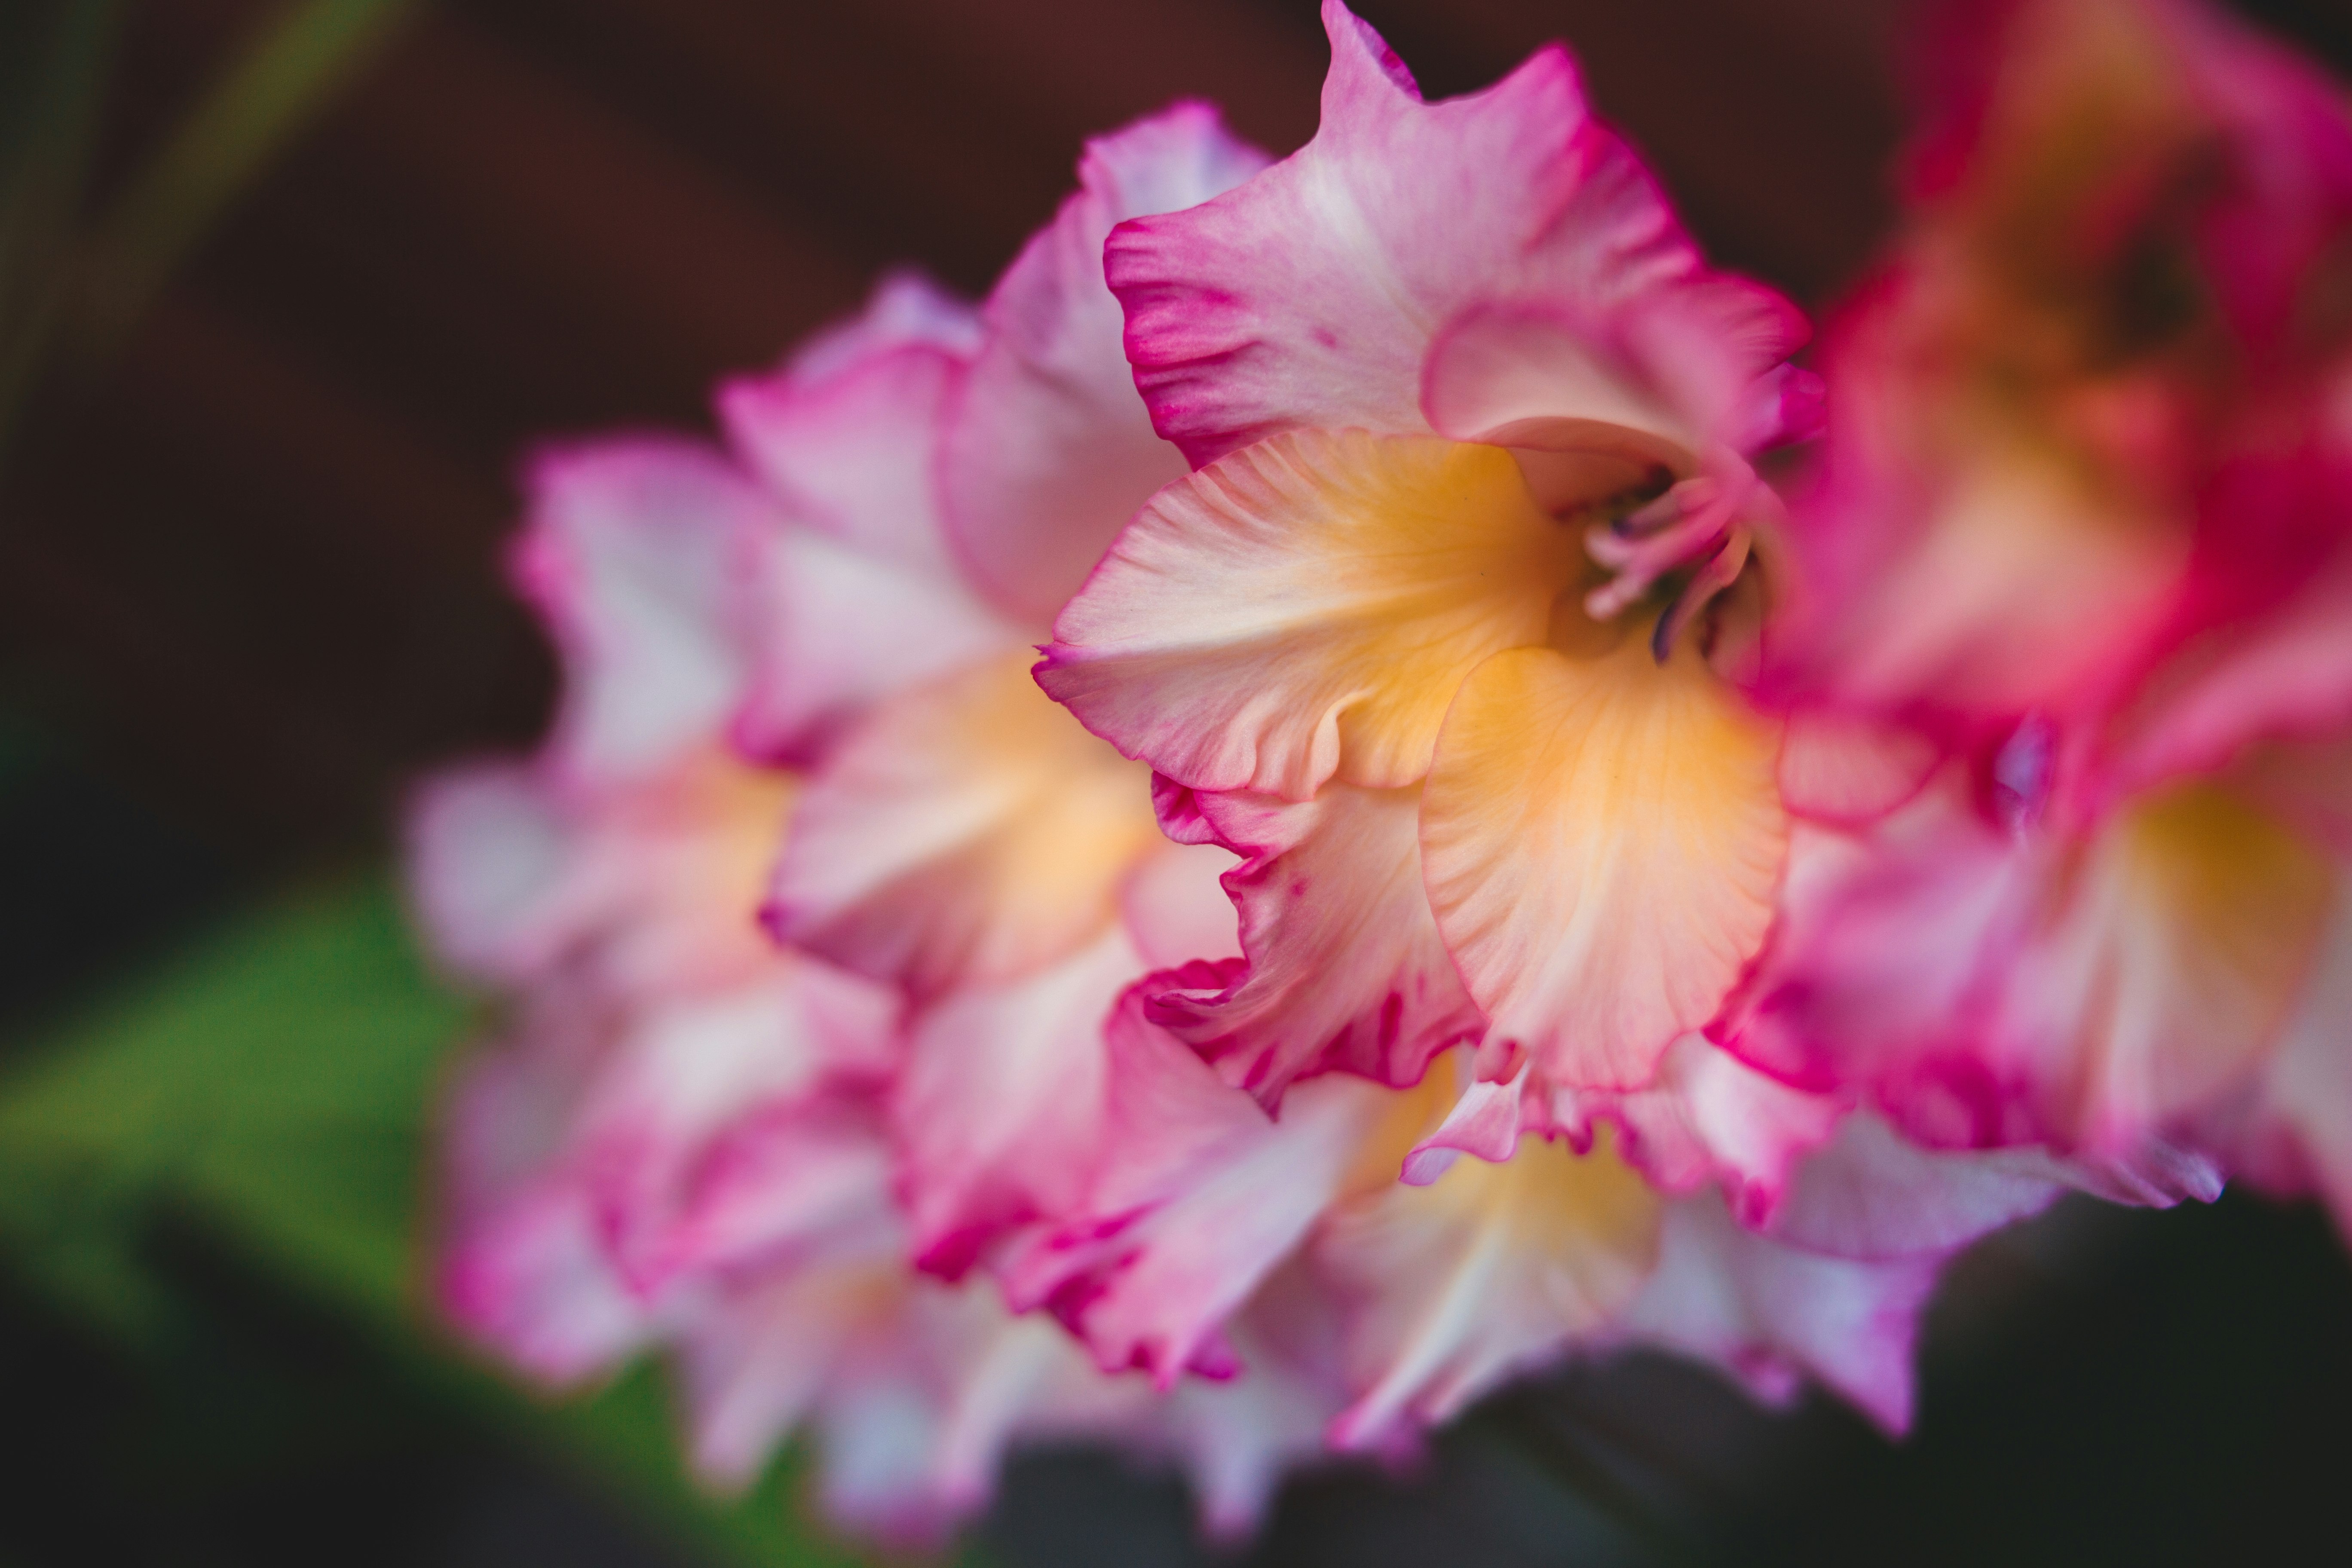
(1227, 782)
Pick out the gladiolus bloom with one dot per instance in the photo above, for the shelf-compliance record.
(1429, 629)
(1433, 638)
(1473, 879)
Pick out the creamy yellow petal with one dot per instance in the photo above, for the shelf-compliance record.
(2173, 952)
(966, 832)
(1603, 840)
(1307, 607)
(1490, 1269)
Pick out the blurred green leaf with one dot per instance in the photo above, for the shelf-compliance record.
(273, 1087)
(263, 102)
(90, 289)
(53, 58)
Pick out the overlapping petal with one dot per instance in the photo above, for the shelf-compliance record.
(841, 629)
(843, 431)
(1198, 1197)
(1602, 841)
(1488, 1271)
(966, 832)
(1343, 969)
(516, 873)
(999, 1111)
(858, 591)
(629, 555)
(2080, 991)
(1628, 385)
(1048, 449)
(1774, 1315)
(738, 1125)
(1309, 297)
(1704, 1118)
(1305, 610)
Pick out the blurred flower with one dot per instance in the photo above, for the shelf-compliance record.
(2085, 525)
(686, 1140)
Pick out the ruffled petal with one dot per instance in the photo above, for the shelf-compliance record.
(1343, 967)
(998, 1114)
(841, 630)
(1707, 1119)
(630, 555)
(1049, 450)
(844, 433)
(965, 833)
(2295, 1134)
(1487, 1121)
(858, 592)
(1603, 842)
(1176, 908)
(488, 847)
(1650, 383)
(1306, 608)
(1872, 1194)
(1198, 1197)
(1309, 297)
(1488, 1271)
(1772, 1315)
(653, 888)
(2084, 992)
(757, 1360)
(738, 1127)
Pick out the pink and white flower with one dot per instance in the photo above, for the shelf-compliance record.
(1435, 639)
(1427, 634)
(2081, 527)
(1472, 880)
(689, 1142)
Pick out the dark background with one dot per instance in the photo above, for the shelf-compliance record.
(248, 588)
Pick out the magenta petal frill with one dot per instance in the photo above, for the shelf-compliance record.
(1309, 298)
